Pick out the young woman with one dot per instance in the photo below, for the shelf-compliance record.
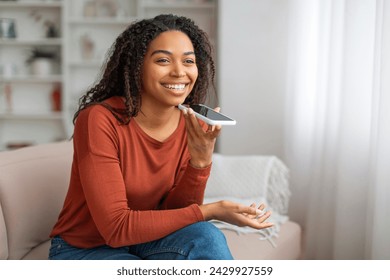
(140, 165)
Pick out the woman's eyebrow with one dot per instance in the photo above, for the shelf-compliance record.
(170, 53)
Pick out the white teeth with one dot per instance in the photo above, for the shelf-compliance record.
(176, 87)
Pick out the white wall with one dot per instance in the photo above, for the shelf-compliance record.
(252, 47)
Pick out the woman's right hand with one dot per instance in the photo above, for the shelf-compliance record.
(236, 214)
(200, 143)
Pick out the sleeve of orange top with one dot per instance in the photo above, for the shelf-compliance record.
(190, 186)
(96, 148)
(189, 189)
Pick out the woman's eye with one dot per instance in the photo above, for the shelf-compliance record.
(162, 60)
(189, 61)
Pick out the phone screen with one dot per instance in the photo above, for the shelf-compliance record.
(209, 113)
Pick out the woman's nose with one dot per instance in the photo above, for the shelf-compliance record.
(178, 71)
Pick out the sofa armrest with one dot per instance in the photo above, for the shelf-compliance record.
(33, 184)
(3, 237)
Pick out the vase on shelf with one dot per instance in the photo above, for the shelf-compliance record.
(41, 62)
(41, 67)
(7, 28)
(87, 47)
(56, 98)
(8, 97)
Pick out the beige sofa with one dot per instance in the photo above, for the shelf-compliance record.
(33, 184)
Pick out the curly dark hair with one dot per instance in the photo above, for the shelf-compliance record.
(121, 75)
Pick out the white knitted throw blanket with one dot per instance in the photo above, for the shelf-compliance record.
(251, 179)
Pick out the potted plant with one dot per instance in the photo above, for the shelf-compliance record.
(41, 61)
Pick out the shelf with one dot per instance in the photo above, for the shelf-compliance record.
(85, 63)
(31, 4)
(32, 79)
(32, 42)
(31, 116)
(108, 21)
(178, 5)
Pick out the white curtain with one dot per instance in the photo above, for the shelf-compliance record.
(338, 126)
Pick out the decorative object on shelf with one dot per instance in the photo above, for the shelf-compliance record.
(7, 28)
(107, 8)
(52, 30)
(100, 8)
(8, 70)
(8, 97)
(56, 98)
(41, 67)
(87, 47)
(41, 62)
(90, 9)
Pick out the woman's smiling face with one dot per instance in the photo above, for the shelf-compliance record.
(169, 71)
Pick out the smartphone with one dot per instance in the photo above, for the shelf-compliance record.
(208, 115)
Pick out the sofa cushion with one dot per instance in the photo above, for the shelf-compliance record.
(33, 184)
(40, 252)
(243, 247)
(250, 247)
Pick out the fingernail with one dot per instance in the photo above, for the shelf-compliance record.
(185, 111)
(190, 111)
(259, 212)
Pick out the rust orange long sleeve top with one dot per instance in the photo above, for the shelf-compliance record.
(126, 187)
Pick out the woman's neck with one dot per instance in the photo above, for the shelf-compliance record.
(159, 123)
(156, 117)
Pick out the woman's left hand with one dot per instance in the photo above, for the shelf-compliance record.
(237, 214)
(200, 142)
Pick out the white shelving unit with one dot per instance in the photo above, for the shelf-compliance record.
(87, 29)
(27, 116)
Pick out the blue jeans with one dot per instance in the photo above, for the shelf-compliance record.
(199, 241)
